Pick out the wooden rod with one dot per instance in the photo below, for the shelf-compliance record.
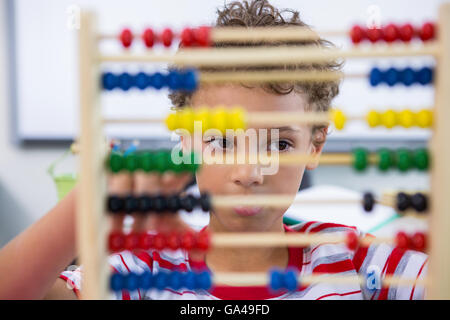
(257, 56)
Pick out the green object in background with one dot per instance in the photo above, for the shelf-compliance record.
(64, 182)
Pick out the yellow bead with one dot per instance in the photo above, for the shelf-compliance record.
(389, 119)
(172, 122)
(339, 119)
(236, 119)
(373, 119)
(203, 115)
(406, 118)
(219, 119)
(424, 118)
(187, 120)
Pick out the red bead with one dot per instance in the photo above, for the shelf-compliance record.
(173, 241)
(126, 37)
(374, 34)
(402, 240)
(390, 33)
(357, 34)
(131, 241)
(352, 240)
(167, 37)
(406, 32)
(202, 240)
(202, 36)
(427, 33)
(187, 240)
(418, 241)
(187, 37)
(116, 241)
(148, 36)
(159, 241)
(145, 241)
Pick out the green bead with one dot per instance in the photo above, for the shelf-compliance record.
(146, 161)
(385, 159)
(161, 161)
(131, 162)
(403, 160)
(360, 161)
(116, 162)
(421, 159)
(193, 164)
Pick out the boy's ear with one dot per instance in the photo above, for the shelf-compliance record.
(316, 148)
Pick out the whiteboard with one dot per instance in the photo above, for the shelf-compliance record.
(46, 67)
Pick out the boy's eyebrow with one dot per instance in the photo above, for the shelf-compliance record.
(286, 128)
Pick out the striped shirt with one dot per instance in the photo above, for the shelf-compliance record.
(329, 258)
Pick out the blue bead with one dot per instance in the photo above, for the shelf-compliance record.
(203, 280)
(173, 80)
(125, 81)
(146, 280)
(175, 280)
(425, 75)
(189, 280)
(141, 80)
(132, 281)
(116, 282)
(189, 79)
(276, 280)
(391, 76)
(408, 76)
(376, 77)
(290, 280)
(157, 80)
(161, 280)
(109, 81)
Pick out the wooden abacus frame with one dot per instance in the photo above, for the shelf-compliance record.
(92, 221)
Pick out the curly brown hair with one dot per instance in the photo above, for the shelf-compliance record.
(260, 13)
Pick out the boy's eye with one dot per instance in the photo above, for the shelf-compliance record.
(220, 143)
(280, 146)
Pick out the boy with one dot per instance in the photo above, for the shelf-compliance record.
(35, 258)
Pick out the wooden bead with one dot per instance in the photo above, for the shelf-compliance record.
(389, 119)
(373, 119)
(339, 119)
(126, 38)
(402, 240)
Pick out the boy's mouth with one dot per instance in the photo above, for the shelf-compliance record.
(247, 211)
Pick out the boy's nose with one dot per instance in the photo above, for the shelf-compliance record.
(247, 175)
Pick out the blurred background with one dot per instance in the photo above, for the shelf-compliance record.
(39, 93)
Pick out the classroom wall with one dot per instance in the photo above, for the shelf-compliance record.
(27, 191)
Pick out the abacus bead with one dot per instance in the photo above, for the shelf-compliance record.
(205, 202)
(175, 280)
(339, 119)
(116, 241)
(189, 280)
(276, 280)
(427, 31)
(406, 118)
(290, 280)
(187, 241)
(173, 80)
(131, 241)
(145, 203)
(131, 204)
(126, 38)
(373, 119)
(187, 120)
(384, 159)
(141, 80)
(187, 37)
(420, 158)
(148, 36)
(161, 280)
(402, 240)
(172, 122)
(157, 80)
(406, 32)
(132, 281)
(189, 80)
(352, 240)
(188, 203)
(391, 77)
(117, 282)
(145, 241)
(160, 204)
(203, 280)
(403, 201)
(131, 162)
(146, 280)
(403, 159)
(425, 75)
(374, 34)
(173, 203)
(202, 240)
(161, 160)
(376, 77)
(125, 81)
(115, 204)
(167, 37)
(390, 33)
(109, 81)
(418, 241)
(193, 164)
(360, 159)
(357, 34)
(159, 241)
(204, 116)
(236, 119)
(389, 119)
(368, 201)
(419, 202)
(219, 119)
(408, 76)
(202, 36)
(424, 118)
(173, 241)
(116, 162)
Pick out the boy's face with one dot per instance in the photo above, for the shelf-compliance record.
(247, 179)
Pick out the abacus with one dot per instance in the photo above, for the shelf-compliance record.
(93, 238)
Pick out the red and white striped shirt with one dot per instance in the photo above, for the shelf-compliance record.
(336, 259)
